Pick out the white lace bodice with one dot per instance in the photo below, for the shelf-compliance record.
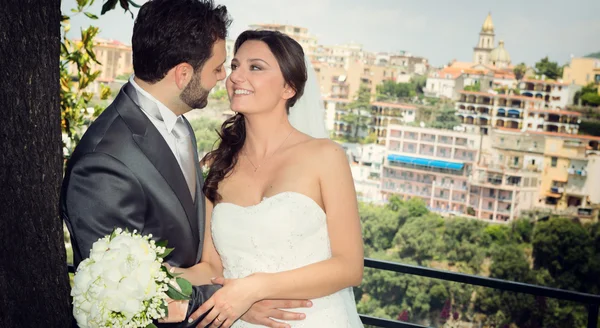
(283, 232)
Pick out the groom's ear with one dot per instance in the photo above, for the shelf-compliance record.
(183, 74)
(288, 92)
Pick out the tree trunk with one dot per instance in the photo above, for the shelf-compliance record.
(34, 285)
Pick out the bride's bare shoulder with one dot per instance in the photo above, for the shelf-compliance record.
(324, 151)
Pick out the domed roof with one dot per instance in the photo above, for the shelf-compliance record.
(488, 26)
(499, 54)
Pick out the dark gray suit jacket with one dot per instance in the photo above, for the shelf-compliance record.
(123, 174)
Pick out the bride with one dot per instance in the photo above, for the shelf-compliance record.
(281, 204)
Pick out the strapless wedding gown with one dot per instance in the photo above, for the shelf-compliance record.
(283, 232)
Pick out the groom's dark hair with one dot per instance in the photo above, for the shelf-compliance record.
(170, 32)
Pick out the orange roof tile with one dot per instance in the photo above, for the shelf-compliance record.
(545, 82)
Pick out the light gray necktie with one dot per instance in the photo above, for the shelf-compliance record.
(185, 152)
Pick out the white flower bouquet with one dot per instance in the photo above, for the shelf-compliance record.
(124, 284)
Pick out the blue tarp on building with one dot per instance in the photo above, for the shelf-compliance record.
(425, 162)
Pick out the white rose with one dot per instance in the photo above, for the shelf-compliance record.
(81, 281)
(130, 287)
(98, 249)
(131, 308)
(81, 317)
(142, 252)
(114, 300)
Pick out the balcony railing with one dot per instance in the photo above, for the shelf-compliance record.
(591, 301)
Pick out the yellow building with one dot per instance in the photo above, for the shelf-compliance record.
(570, 174)
(582, 71)
(115, 59)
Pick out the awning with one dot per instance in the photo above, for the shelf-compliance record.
(501, 111)
(513, 112)
(425, 162)
(553, 195)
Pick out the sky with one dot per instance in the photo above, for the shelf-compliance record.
(439, 30)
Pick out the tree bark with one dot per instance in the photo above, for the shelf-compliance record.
(34, 284)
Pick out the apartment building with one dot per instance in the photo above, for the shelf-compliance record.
(505, 179)
(570, 176)
(582, 71)
(556, 95)
(431, 164)
(373, 121)
(480, 111)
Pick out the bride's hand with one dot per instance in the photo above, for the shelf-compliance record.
(231, 301)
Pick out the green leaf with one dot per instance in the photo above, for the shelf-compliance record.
(175, 294)
(162, 243)
(166, 252)
(113, 234)
(151, 325)
(108, 5)
(81, 3)
(186, 286)
(90, 15)
(64, 18)
(134, 4)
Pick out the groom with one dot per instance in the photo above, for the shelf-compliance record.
(137, 165)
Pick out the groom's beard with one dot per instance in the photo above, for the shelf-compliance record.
(194, 95)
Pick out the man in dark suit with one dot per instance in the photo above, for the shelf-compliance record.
(137, 165)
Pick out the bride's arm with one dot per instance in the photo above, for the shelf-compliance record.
(210, 265)
(345, 268)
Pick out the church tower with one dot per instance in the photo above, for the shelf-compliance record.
(481, 52)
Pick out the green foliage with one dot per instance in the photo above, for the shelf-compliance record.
(356, 110)
(520, 70)
(205, 131)
(75, 97)
(566, 250)
(220, 94)
(593, 55)
(445, 119)
(550, 69)
(475, 87)
(522, 230)
(390, 90)
(588, 96)
(404, 231)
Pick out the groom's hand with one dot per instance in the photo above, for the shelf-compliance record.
(263, 312)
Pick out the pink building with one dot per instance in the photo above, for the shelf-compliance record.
(432, 164)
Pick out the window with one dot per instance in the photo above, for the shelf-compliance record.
(516, 161)
(554, 161)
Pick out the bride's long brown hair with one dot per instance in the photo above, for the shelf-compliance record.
(290, 56)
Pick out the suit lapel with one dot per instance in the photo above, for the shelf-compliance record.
(156, 149)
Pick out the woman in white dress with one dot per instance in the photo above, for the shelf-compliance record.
(281, 204)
